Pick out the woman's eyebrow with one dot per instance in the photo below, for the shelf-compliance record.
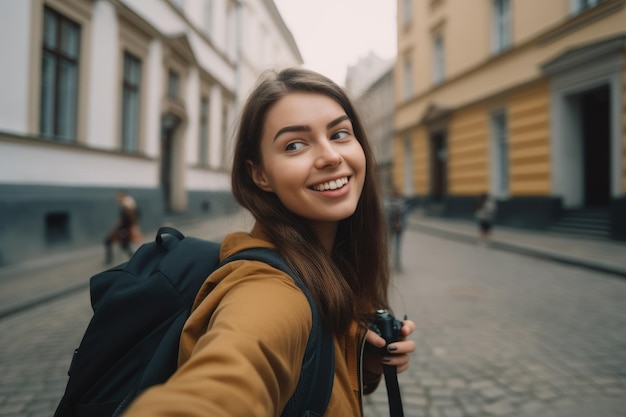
(337, 121)
(306, 128)
(294, 128)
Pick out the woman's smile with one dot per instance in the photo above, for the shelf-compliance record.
(331, 185)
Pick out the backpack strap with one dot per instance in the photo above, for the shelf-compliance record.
(314, 388)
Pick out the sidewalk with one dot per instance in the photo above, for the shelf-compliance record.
(602, 255)
(25, 285)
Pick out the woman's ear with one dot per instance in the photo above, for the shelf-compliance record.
(258, 176)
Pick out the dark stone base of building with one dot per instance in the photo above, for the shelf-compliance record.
(617, 216)
(38, 220)
(523, 212)
(535, 213)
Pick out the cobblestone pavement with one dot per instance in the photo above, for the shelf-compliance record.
(501, 334)
(498, 334)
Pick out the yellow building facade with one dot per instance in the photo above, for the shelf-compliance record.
(521, 99)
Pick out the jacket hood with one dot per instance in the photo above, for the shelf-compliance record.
(238, 241)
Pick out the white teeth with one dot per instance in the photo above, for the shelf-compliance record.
(331, 185)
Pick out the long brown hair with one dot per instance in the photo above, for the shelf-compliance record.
(353, 281)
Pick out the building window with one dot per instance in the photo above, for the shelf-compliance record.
(231, 31)
(224, 129)
(204, 132)
(579, 6)
(407, 78)
(500, 146)
(57, 227)
(407, 12)
(173, 84)
(408, 166)
(207, 16)
(438, 59)
(130, 103)
(59, 77)
(501, 26)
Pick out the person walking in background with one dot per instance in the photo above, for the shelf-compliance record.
(126, 230)
(304, 169)
(485, 212)
(395, 206)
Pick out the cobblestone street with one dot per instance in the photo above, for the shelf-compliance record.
(498, 334)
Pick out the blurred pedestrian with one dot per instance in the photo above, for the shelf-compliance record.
(485, 212)
(126, 230)
(396, 216)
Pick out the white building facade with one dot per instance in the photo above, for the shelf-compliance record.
(140, 95)
(370, 82)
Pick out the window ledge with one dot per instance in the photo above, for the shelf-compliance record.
(580, 20)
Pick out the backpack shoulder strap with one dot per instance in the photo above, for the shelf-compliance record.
(315, 385)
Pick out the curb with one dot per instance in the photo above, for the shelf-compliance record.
(19, 306)
(44, 298)
(524, 250)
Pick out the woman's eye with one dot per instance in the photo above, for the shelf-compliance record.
(340, 135)
(294, 146)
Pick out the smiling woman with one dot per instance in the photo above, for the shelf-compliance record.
(309, 136)
(302, 167)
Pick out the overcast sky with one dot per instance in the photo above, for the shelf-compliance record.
(333, 34)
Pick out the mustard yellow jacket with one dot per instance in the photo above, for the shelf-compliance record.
(242, 347)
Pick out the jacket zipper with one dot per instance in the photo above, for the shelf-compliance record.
(361, 337)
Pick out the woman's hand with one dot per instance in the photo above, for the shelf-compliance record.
(397, 353)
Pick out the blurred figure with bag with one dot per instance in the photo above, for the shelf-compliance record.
(126, 230)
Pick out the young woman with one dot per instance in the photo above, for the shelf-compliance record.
(304, 169)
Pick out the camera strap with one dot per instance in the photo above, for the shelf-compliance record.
(393, 391)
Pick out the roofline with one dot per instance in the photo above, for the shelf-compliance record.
(282, 26)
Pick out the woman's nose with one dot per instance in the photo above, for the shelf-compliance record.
(328, 156)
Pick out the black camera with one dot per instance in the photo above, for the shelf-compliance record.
(387, 326)
(390, 329)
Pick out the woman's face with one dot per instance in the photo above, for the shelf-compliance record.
(310, 158)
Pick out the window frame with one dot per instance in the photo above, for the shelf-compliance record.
(500, 166)
(173, 84)
(179, 4)
(203, 131)
(52, 96)
(134, 39)
(438, 56)
(580, 6)
(407, 78)
(501, 28)
(131, 144)
(207, 17)
(407, 13)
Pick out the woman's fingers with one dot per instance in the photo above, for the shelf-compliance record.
(408, 326)
(401, 362)
(374, 339)
(397, 353)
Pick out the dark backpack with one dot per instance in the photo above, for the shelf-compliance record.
(128, 347)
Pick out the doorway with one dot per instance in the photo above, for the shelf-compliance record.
(595, 119)
(438, 158)
(169, 125)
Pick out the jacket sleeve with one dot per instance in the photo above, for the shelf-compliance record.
(248, 362)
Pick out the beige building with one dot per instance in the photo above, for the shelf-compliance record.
(524, 99)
